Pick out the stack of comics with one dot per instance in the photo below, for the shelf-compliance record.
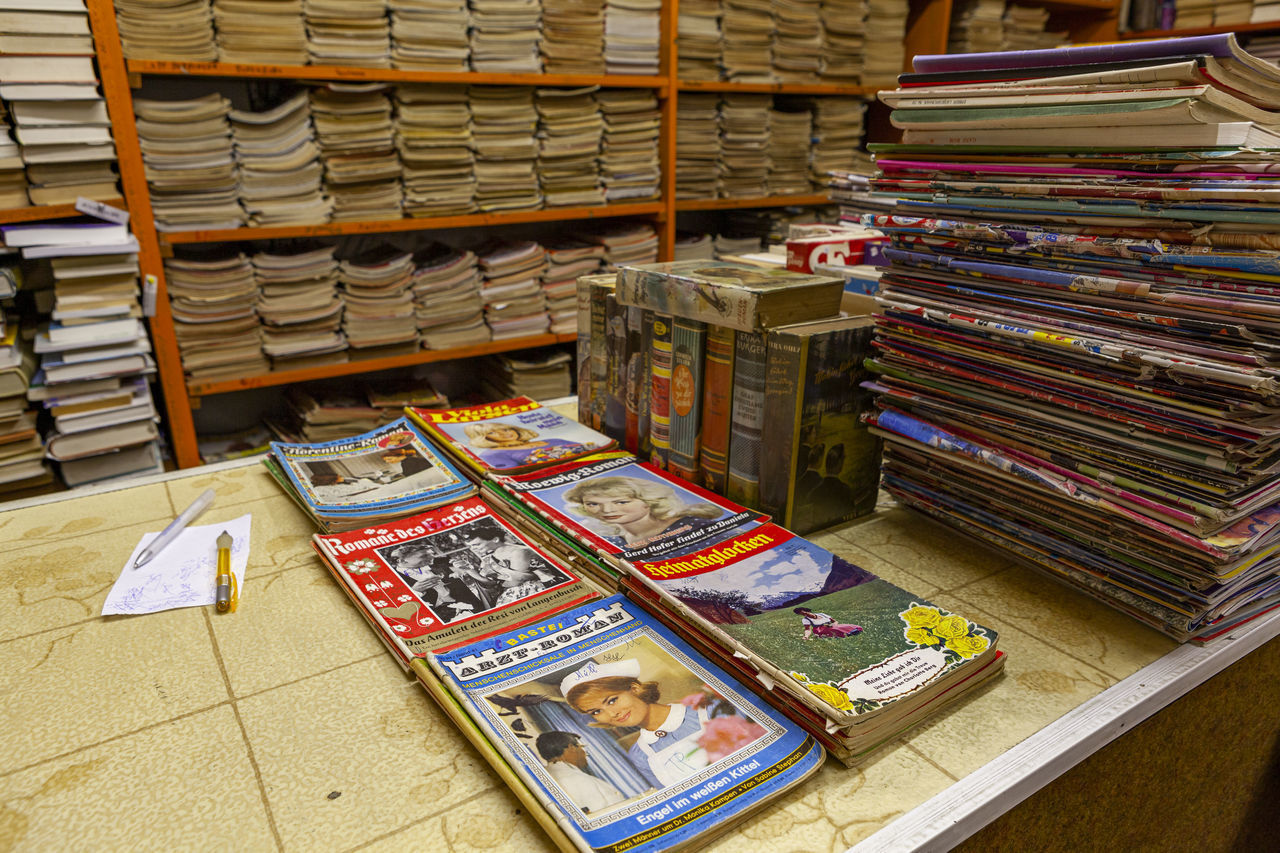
(1078, 351)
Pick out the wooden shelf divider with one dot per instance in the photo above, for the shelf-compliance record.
(200, 388)
(41, 212)
(745, 203)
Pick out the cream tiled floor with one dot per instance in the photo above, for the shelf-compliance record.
(288, 726)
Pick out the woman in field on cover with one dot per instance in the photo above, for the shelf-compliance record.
(822, 625)
(635, 511)
(503, 445)
(675, 740)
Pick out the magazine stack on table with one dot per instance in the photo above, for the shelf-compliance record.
(1077, 351)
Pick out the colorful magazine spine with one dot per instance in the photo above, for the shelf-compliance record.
(633, 359)
(599, 351)
(583, 352)
(717, 412)
(660, 391)
(688, 339)
(747, 419)
(689, 753)
(615, 402)
(645, 386)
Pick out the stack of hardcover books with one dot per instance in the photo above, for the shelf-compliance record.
(1076, 355)
(699, 365)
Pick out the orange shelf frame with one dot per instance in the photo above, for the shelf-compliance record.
(41, 212)
(743, 203)
(389, 75)
(776, 88)
(198, 389)
(425, 223)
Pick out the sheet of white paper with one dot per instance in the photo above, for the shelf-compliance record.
(183, 574)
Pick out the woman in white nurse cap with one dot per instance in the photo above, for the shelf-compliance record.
(612, 694)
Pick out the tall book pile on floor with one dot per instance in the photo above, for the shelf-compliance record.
(94, 352)
(23, 469)
(698, 365)
(699, 695)
(1076, 355)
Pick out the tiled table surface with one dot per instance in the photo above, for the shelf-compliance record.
(287, 725)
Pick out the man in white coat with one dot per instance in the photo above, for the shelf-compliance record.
(567, 763)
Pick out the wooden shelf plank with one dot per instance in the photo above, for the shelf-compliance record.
(1200, 31)
(370, 365)
(425, 223)
(389, 75)
(39, 212)
(761, 201)
(776, 88)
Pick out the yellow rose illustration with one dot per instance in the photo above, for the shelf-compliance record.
(969, 645)
(833, 696)
(950, 627)
(921, 637)
(918, 616)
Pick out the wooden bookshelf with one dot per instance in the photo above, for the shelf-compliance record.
(927, 26)
(41, 212)
(426, 223)
(197, 388)
(746, 203)
(1201, 31)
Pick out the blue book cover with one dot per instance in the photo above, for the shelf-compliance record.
(626, 735)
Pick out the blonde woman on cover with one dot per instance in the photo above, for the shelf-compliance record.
(635, 511)
(503, 445)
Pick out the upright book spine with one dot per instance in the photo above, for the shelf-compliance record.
(583, 366)
(660, 391)
(599, 356)
(633, 360)
(688, 339)
(747, 418)
(716, 407)
(615, 406)
(645, 382)
(780, 431)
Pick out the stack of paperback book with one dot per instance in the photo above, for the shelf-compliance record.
(447, 300)
(181, 31)
(699, 40)
(378, 298)
(300, 305)
(213, 296)
(357, 144)
(368, 479)
(1076, 355)
(629, 155)
(433, 136)
(280, 169)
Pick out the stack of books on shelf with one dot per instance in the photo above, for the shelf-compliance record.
(693, 245)
(697, 145)
(300, 304)
(95, 355)
(797, 41)
(433, 136)
(378, 297)
(188, 155)
(885, 29)
(280, 169)
(447, 300)
(504, 36)
(58, 117)
(181, 31)
(567, 261)
(976, 26)
(253, 31)
(790, 134)
(629, 162)
(329, 412)
(504, 135)
(356, 135)
(701, 364)
(213, 298)
(1075, 359)
(744, 145)
(348, 32)
(572, 37)
(837, 138)
(699, 42)
(429, 35)
(13, 177)
(624, 242)
(23, 468)
(1024, 28)
(570, 131)
(538, 374)
(844, 47)
(511, 288)
(747, 27)
(632, 36)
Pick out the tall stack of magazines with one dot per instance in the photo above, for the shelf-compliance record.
(646, 720)
(1078, 355)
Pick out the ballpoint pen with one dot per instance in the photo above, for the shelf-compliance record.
(225, 599)
(175, 527)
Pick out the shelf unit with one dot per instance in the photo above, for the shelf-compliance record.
(41, 212)
(926, 33)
